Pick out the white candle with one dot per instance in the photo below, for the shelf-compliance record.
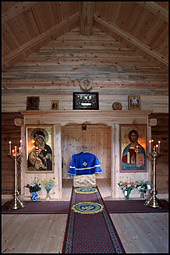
(20, 143)
(150, 141)
(152, 144)
(19, 149)
(12, 152)
(10, 147)
(15, 149)
(159, 147)
(156, 147)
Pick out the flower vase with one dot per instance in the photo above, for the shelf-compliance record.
(127, 194)
(142, 195)
(48, 197)
(34, 196)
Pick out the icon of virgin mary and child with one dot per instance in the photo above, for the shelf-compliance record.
(40, 157)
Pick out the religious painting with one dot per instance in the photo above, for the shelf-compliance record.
(134, 103)
(39, 149)
(32, 103)
(85, 101)
(132, 147)
(54, 104)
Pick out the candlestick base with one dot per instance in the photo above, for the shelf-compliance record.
(154, 202)
(15, 203)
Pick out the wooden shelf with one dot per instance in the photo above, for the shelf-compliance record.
(64, 117)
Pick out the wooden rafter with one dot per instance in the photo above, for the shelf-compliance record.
(86, 17)
(155, 9)
(42, 38)
(132, 40)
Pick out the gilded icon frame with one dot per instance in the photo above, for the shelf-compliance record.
(54, 104)
(39, 160)
(125, 155)
(134, 102)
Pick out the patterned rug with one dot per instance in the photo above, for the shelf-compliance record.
(134, 206)
(112, 206)
(39, 207)
(89, 227)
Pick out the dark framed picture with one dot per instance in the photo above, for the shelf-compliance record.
(132, 147)
(85, 101)
(32, 103)
(39, 149)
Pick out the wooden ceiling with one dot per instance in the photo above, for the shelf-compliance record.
(27, 26)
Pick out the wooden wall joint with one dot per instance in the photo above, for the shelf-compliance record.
(19, 122)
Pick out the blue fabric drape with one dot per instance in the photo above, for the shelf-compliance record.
(84, 163)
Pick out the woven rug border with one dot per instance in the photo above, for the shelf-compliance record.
(24, 210)
(145, 209)
(67, 242)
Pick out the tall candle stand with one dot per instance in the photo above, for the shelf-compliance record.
(153, 201)
(15, 203)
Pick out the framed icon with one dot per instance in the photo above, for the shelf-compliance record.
(132, 147)
(134, 103)
(54, 104)
(32, 103)
(39, 149)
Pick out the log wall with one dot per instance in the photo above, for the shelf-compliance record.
(160, 132)
(9, 132)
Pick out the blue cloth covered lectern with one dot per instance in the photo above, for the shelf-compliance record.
(83, 167)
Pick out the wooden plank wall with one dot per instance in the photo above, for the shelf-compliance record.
(161, 132)
(95, 139)
(11, 132)
(56, 70)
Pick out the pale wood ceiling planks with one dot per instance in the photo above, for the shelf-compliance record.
(27, 26)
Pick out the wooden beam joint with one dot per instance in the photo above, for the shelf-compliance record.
(86, 17)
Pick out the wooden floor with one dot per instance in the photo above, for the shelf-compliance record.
(44, 233)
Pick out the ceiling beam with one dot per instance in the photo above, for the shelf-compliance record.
(16, 10)
(86, 17)
(155, 9)
(132, 40)
(42, 39)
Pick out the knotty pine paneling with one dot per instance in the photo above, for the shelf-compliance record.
(96, 139)
(55, 71)
(161, 132)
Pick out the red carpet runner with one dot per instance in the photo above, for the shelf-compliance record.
(89, 227)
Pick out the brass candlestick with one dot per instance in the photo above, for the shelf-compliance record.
(153, 201)
(15, 203)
